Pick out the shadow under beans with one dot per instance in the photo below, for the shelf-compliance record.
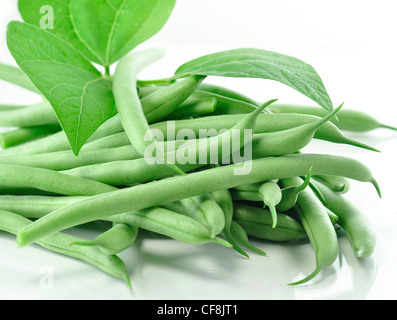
(193, 260)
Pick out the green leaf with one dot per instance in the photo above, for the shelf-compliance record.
(36, 12)
(112, 28)
(256, 63)
(81, 97)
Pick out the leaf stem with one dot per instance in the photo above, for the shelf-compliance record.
(107, 71)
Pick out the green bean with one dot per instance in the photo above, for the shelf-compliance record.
(59, 243)
(290, 194)
(317, 193)
(258, 223)
(127, 99)
(240, 236)
(59, 141)
(227, 105)
(290, 140)
(206, 210)
(226, 92)
(318, 226)
(193, 108)
(17, 77)
(35, 206)
(116, 140)
(40, 114)
(8, 107)
(176, 188)
(22, 135)
(172, 96)
(175, 206)
(127, 172)
(254, 196)
(356, 225)
(225, 201)
(174, 225)
(253, 187)
(114, 241)
(337, 184)
(65, 160)
(348, 120)
(15, 176)
(129, 105)
(271, 196)
(332, 216)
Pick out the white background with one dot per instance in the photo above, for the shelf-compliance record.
(352, 45)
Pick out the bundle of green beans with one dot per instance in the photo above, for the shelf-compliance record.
(288, 196)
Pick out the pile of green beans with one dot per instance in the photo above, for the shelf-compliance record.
(288, 196)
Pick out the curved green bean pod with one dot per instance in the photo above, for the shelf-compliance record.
(356, 225)
(225, 201)
(59, 243)
(114, 241)
(318, 193)
(271, 196)
(16, 176)
(22, 135)
(129, 105)
(318, 226)
(172, 98)
(17, 77)
(176, 188)
(206, 210)
(337, 184)
(240, 237)
(258, 223)
(332, 216)
(40, 114)
(290, 194)
(348, 120)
